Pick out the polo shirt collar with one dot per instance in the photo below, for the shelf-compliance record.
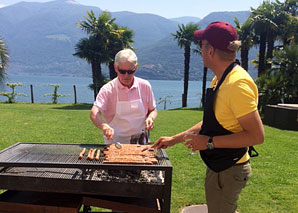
(121, 86)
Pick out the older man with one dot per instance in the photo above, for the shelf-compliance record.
(126, 103)
(231, 122)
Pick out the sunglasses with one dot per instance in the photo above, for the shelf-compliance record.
(129, 72)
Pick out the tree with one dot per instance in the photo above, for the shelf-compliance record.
(287, 21)
(246, 38)
(165, 100)
(12, 95)
(184, 37)
(279, 84)
(273, 21)
(3, 60)
(95, 48)
(204, 80)
(91, 50)
(264, 27)
(55, 95)
(118, 41)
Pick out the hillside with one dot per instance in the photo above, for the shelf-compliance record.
(224, 16)
(41, 38)
(165, 60)
(186, 19)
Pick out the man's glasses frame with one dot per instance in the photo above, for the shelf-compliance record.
(129, 72)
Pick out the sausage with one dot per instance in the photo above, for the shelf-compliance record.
(92, 154)
(89, 154)
(97, 154)
(82, 153)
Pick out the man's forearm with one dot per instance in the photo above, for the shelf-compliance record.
(195, 129)
(96, 119)
(153, 114)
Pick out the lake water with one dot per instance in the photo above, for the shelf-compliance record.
(161, 89)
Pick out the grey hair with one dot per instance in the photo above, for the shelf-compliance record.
(126, 55)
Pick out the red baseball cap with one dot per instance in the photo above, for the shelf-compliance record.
(219, 34)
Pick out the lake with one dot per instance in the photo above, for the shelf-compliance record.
(171, 90)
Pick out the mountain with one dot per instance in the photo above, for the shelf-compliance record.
(186, 19)
(148, 28)
(165, 60)
(41, 38)
(224, 16)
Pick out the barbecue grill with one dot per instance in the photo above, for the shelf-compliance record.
(45, 167)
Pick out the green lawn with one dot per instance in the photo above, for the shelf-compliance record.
(272, 188)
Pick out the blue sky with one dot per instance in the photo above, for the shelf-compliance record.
(165, 8)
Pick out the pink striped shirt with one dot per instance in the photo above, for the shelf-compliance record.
(107, 98)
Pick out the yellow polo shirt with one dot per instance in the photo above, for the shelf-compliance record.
(237, 96)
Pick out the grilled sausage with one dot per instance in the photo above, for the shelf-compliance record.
(97, 154)
(92, 154)
(89, 154)
(82, 153)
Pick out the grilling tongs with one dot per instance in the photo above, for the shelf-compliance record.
(117, 144)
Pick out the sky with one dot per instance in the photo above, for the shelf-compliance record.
(165, 8)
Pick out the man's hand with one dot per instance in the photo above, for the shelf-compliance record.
(195, 142)
(163, 143)
(107, 131)
(149, 123)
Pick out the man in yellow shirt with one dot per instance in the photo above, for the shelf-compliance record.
(231, 121)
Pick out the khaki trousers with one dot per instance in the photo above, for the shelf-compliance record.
(222, 189)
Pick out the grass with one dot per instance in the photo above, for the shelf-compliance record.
(272, 188)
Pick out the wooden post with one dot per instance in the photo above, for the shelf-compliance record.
(32, 97)
(75, 94)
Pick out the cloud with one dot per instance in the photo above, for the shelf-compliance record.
(2, 5)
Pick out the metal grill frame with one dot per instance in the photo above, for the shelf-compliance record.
(89, 187)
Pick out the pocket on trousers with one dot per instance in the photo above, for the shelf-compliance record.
(242, 173)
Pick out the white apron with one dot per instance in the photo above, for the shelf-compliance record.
(129, 119)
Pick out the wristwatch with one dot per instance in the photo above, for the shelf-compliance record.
(210, 144)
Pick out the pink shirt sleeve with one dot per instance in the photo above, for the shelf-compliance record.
(106, 101)
(147, 95)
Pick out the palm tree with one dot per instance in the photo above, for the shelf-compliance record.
(204, 80)
(264, 23)
(3, 60)
(102, 26)
(95, 48)
(119, 41)
(92, 50)
(287, 21)
(279, 84)
(184, 37)
(246, 38)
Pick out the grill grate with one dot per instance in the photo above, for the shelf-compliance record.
(57, 155)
